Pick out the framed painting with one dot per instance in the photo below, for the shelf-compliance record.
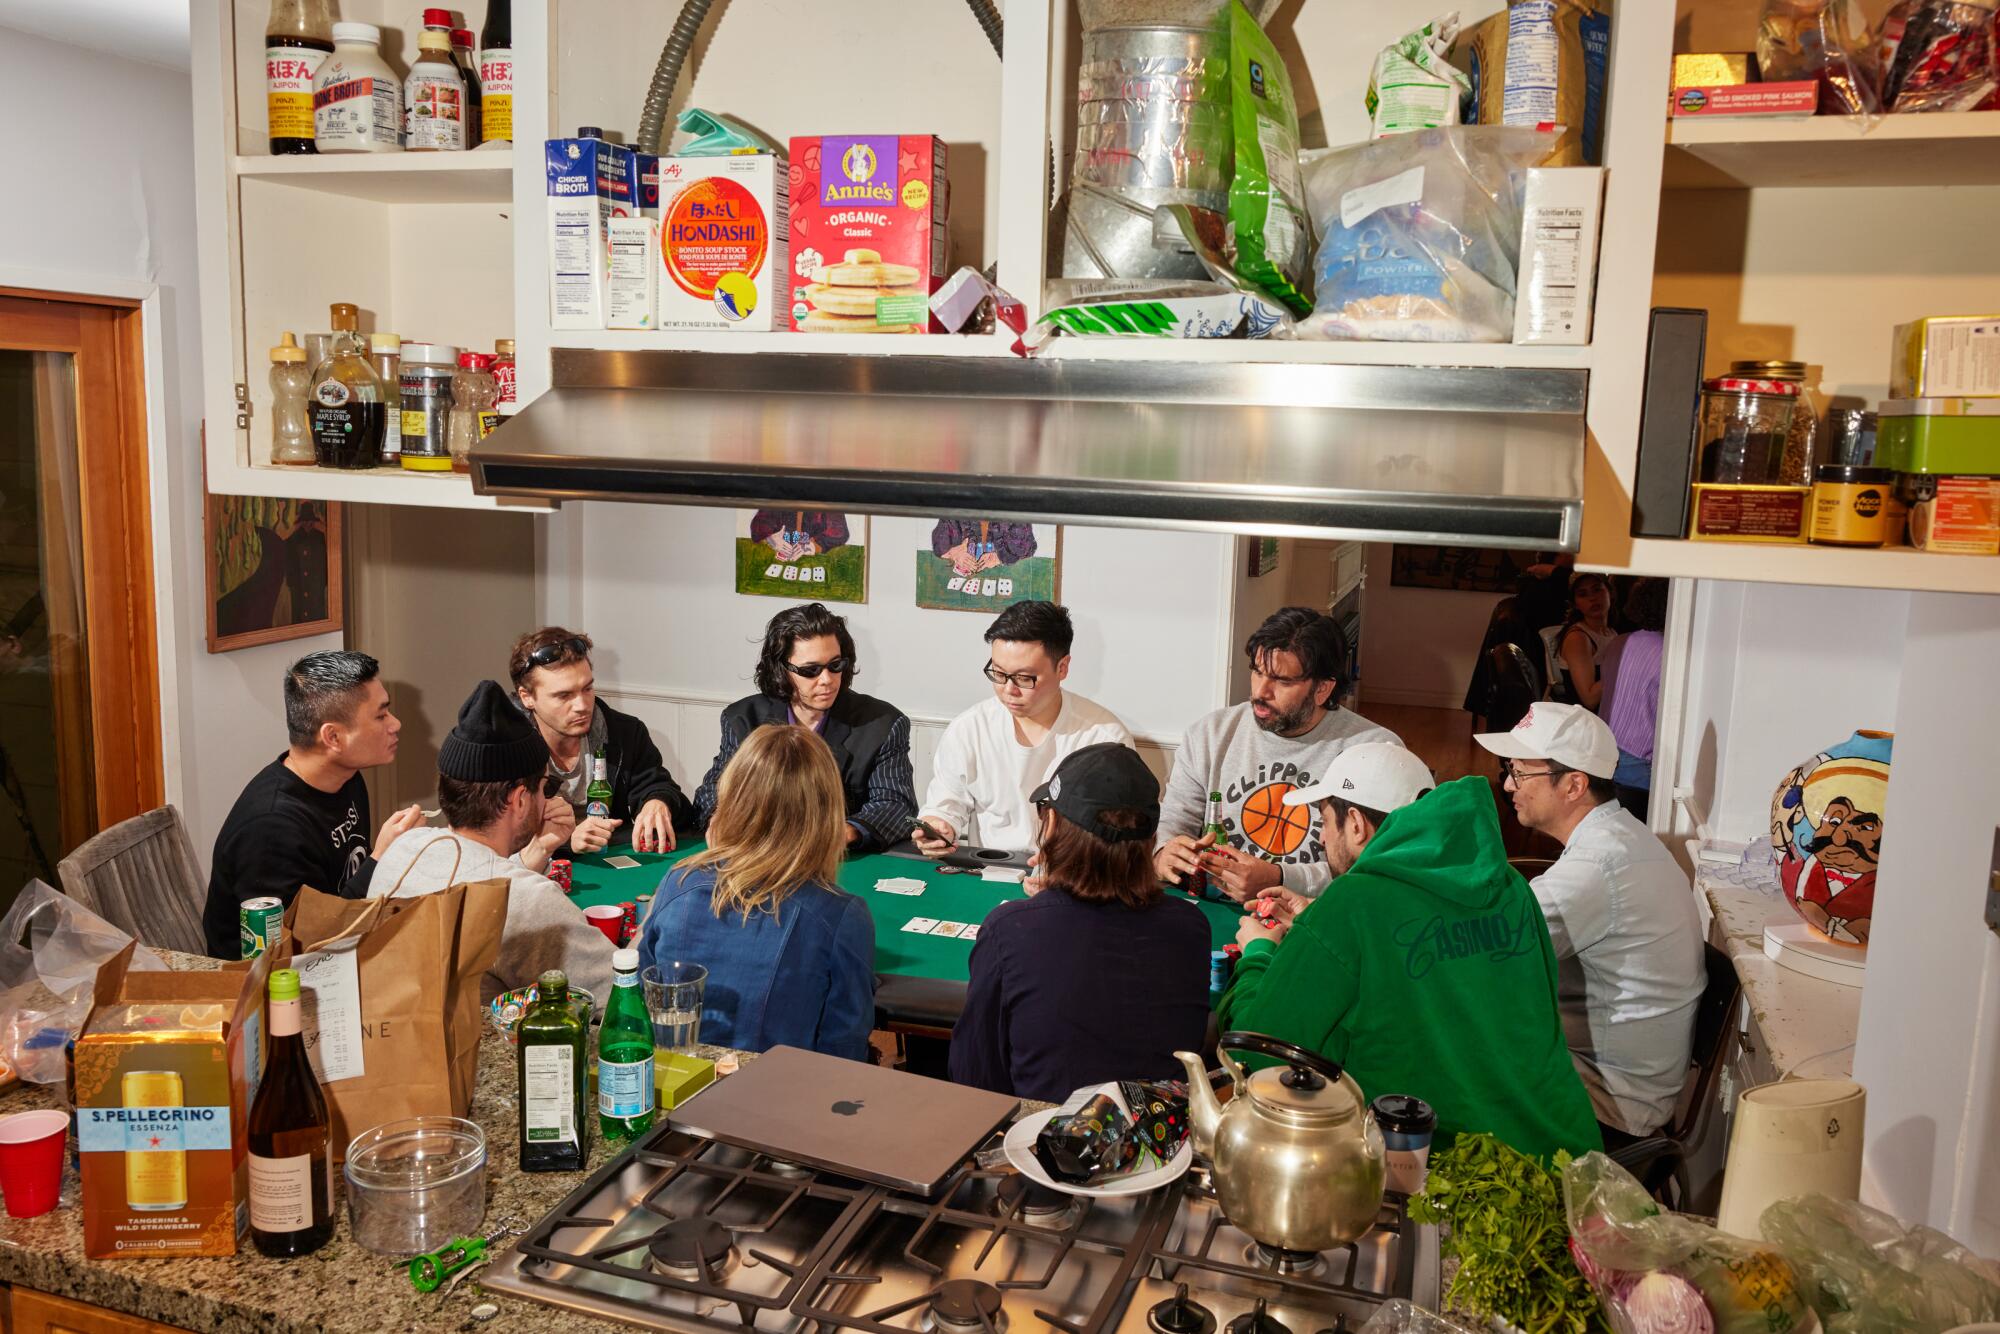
(968, 563)
(273, 569)
(814, 555)
(1465, 569)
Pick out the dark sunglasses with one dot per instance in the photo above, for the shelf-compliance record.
(551, 784)
(811, 670)
(556, 652)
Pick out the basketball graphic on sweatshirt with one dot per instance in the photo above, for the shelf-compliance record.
(1273, 828)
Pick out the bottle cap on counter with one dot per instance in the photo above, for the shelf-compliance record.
(288, 351)
(284, 984)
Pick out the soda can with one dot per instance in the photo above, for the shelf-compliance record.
(560, 870)
(259, 921)
(1218, 970)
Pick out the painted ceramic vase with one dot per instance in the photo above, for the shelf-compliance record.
(1826, 825)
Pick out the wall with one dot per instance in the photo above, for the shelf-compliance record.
(1929, 1045)
(653, 585)
(1777, 674)
(1418, 645)
(129, 216)
(1254, 599)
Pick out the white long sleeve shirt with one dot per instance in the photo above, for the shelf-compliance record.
(1629, 966)
(981, 775)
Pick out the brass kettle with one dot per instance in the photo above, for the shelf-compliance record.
(1297, 1157)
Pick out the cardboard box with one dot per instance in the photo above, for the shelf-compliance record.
(868, 223)
(1946, 356)
(632, 274)
(1957, 515)
(1562, 209)
(724, 229)
(1708, 69)
(589, 182)
(166, 1068)
(1736, 513)
(1794, 99)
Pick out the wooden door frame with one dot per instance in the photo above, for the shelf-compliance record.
(107, 336)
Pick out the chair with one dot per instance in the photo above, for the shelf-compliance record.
(141, 876)
(1558, 674)
(1660, 1159)
(1515, 686)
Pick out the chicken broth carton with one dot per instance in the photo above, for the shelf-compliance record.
(165, 1072)
(588, 182)
(868, 218)
(724, 229)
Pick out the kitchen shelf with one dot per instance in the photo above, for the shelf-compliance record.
(847, 344)
(1318, 352)
(1945, 148)
(373, 486)
(478, 177)
(1777, 563)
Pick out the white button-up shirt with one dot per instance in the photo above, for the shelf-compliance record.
(1630, 969)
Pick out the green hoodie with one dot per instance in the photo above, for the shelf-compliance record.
(1426, 969)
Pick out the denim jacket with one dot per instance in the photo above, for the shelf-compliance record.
(801, 977)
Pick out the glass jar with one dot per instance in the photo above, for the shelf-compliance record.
(385, 354)
(1801, 452)
(426, 392)
(1745, 430)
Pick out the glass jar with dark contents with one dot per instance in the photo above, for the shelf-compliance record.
(1801, 452)
(1744, 430)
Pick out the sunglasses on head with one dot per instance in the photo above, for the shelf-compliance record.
(811, 670)
(557, 651)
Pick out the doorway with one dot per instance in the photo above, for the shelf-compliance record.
(79, 677)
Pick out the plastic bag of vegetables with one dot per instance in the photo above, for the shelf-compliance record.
(1865, 1273)
(1658, 1272)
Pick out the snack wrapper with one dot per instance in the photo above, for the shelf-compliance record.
(1091, 1144)
(1159, 1110)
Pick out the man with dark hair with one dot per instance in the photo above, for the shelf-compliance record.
(995, 754)
(1254, 753)
(552, 677)
(303, 818)
(804, 675)
(1424, 968)
(492, 780)
(1621, 915)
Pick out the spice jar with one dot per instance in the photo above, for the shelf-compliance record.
(472, 413)
(503, 371)
(1850, 505)
(1744, 426)
(1801, 453)
(426, 383)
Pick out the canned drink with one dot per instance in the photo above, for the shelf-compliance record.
(1218, 970)
(156, 1178)
(259, 921)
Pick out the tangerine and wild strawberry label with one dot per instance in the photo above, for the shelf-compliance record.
(869, 216)
(723, 230)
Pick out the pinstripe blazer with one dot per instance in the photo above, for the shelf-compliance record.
(870, 741)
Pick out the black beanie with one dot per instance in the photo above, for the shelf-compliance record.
(493, 741)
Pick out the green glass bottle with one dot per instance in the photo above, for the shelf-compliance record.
(597, 797)
(1215, 825)
(551, 1042)
(625, 1091)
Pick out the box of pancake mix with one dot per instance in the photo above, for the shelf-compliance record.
(868, 215)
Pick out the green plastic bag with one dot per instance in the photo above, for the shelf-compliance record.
(1267, 216)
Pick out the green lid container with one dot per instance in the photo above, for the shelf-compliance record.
(1957, 437)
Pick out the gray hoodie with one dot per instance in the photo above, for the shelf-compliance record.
(1227, 752)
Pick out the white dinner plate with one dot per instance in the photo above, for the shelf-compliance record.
(1020, 1147)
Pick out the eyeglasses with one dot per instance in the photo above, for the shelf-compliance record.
(556, 652)
(551, 784)
(1019, 680)
(1511, 773)
(811, 670)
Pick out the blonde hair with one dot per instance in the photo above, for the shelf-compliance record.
(780, 821)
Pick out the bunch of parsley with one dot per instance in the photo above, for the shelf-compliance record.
(1506, 1227)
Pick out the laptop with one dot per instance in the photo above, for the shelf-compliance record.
(894, 1129)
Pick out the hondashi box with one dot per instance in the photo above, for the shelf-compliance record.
(723, 230)
(165, 1069)
(868, 215)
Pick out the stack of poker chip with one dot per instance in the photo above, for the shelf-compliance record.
(559, 871)
(631, 920)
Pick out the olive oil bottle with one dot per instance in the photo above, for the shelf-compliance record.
(554, 1078)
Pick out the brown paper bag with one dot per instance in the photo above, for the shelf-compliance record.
(418, 962)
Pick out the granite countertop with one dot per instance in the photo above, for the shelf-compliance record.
(339, 1289)
(1808, 1025)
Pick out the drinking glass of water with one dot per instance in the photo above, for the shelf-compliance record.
(673, 1000)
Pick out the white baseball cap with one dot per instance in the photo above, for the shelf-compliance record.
(1379, 775)
(1568, 734)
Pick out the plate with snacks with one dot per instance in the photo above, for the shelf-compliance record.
(1096, 1127)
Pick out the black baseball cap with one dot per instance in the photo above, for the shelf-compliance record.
(1099, 778)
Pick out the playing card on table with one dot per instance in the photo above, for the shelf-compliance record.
(621, 863)
(897, 884)
(970, 933)
(947, 928)
(923, 926)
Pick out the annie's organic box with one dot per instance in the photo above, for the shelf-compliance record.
(165, 1070)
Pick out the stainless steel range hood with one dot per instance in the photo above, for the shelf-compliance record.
(1465, 455)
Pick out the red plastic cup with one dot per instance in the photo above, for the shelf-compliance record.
(31, 1157)
(608, 918)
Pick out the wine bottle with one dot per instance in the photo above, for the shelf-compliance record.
(625, 1089)
(291, 1159)
(552, 1080)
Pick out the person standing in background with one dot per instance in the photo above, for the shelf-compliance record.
(1629, 667)
(1573, 649)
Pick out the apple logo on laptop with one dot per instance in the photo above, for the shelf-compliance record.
(847, 1108)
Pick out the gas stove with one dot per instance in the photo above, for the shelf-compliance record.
(690, 1234)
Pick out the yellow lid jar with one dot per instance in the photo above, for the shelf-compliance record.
(1850, 505)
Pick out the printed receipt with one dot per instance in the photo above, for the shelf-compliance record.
(330, 1012)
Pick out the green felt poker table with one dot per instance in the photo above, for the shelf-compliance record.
(920, 978)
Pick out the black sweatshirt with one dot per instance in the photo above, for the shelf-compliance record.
(282, 833)
(638, 774)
